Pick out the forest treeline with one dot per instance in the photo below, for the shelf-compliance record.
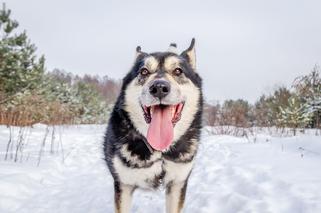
(30, 94)
(297, 106)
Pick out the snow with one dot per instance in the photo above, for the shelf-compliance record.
(259, 173)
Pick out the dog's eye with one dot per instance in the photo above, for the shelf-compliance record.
(144, 71)
(178, 71)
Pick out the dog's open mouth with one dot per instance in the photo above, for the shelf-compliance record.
(174, 111)
(161, 120)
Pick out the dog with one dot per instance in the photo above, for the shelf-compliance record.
(154, 129)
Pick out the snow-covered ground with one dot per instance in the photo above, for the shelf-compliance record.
(232, 174)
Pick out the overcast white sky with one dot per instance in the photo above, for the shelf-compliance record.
(244, 47)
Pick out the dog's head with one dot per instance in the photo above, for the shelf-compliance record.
(163, 94)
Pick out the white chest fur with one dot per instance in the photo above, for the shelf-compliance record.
(142, 177)
(176, 172)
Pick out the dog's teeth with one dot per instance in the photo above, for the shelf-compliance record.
(173, 111)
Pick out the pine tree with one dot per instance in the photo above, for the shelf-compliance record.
(92, 106)
(20, 70)
(294, 114)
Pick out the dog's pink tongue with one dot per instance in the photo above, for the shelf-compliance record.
(160, 132)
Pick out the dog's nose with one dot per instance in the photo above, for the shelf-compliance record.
(159, 89)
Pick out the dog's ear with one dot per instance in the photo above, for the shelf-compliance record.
(190, 55)
(172, 48)
(139, 52)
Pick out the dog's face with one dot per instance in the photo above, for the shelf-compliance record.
(163, 95)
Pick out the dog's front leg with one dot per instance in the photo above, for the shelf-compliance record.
(175, 196)
(123, 197)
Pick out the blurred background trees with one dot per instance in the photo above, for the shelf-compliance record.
(31, 94)
(295, 107)
(308, 88)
